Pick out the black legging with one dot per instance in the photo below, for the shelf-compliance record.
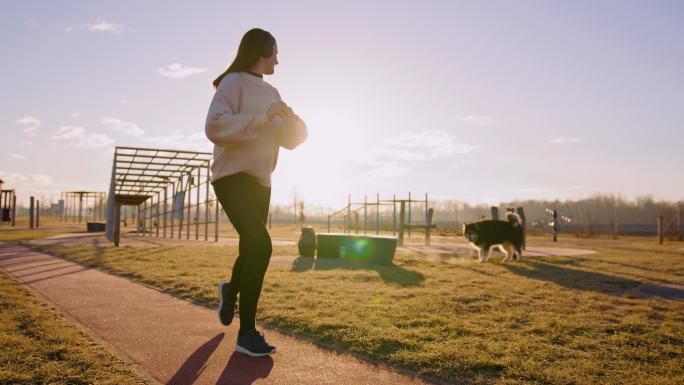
(246, 202)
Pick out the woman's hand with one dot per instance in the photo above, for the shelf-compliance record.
(278, 108)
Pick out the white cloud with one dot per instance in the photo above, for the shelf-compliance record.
(104, 26)
(75, 114)
(478, 120)
(180, 141)
(94, 141)
(85, 140)
(430, 144)
(177, 71)
(29, 122)
(397, 156)
(126, 128)
(124, 101)
(26, 143)
(564, 139)
(16, 156)
(68, 132)
(26, 179)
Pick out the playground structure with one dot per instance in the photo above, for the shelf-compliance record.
(73, 204)
(168, 189)
(8, 206)
(405, 216)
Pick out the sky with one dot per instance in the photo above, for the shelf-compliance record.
(477, 101)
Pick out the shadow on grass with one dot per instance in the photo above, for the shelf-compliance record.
(589, 280)
(388, 273)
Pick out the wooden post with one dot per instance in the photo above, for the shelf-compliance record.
(679, 222)
(80, 207)
(14, 210)
(356, 222)
(428, 226)
(328, 223)
(555, 225)
(660, 229)
(402, 214)
(31, 213)
(37, 213)
(495, 213)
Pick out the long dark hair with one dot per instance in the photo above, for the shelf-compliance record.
(255, 44)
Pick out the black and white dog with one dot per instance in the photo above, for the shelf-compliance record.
(506, 235)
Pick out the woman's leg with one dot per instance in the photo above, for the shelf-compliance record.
(244, 199)
(262, 197)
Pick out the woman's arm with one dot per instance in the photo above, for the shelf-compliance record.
(224, 125)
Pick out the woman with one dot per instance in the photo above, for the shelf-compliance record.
(248, 122)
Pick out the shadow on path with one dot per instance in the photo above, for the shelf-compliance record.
(244, 370)
(195, 364)
(389, 273)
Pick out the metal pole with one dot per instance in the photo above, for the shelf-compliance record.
(206, 206)
(173, 201)
(348, 230)
(216, 221)
(409, 215)
(37, 213)
(328, 223)
(117, 226)
(377, 215)
(157, 219)
(137, 220)
(166, 189)
(402, 214)
(197, 196)
(394, 214)
(426, 207)
(365, 214)
(188, 188)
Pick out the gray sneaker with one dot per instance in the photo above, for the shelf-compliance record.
(226, 308)
(253, 344)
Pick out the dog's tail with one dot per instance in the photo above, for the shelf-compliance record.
(514, 219)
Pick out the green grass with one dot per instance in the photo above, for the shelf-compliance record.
(551, 320)
(39, 346)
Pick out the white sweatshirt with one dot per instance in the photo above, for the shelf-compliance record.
(244, 140)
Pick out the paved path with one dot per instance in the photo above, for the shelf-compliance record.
(175, 341)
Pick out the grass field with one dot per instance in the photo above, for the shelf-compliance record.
(546, 320)
(39, 346)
